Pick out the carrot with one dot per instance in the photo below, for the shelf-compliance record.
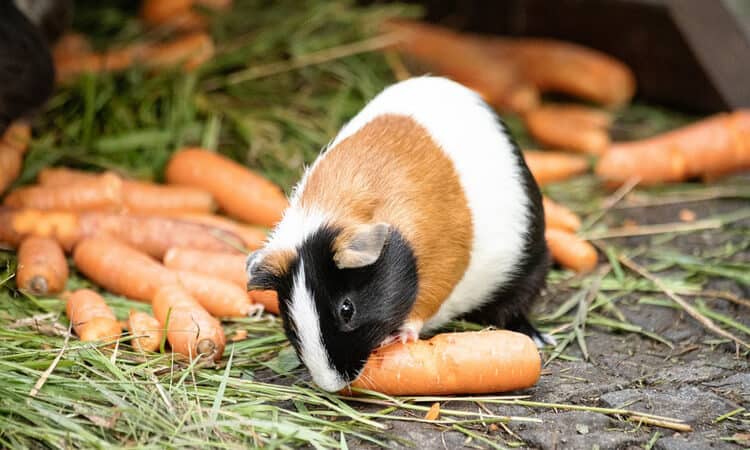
(147, 330)
(570, 127)
(138, 197)
(571, 251)
(15, 226)
(102, 193)
(42, 268)
(179, 13)
(18, 136)
(558, 216)
(268, 299)
(153, 235)
(463, 60)
(220, 297)
(13, 145)
(91, 317)
(239, 191)
(564, 67)
(708, 148)
(226, 266)
(254, 237)
(190, 51)
(71, 45)
(67, 67)
(454, 363)
(191, 330)
(549, 167)
(121, 269)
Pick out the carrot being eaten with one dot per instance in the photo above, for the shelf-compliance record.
(269, 300)
(481, 362)
(191, 330)
(570, 127)
(550, 167)
(239, 191)
(42, 268)
(708, 148)
(92, 319)
(558, 216)
(147, 331)
(570, 251)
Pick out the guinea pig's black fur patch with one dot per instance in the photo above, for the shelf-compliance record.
(26, 71)
(382, 293)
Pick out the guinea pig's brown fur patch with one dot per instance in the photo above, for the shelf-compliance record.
(392, 171)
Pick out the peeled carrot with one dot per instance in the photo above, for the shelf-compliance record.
(239, 191)
(147, 330)
(226, 266)
(254, 237)
(564, 67)
(153, 235)
(570, 127)
(91, 317)
(571, 251)
(42, 268)
(558, 216)
(480, 362)
(190, 51)
(121, 269)
(220, 297)
(138, 197)
(463, 60)
(269, 300)
(708, 148)
(191, 330)
(102, 193)
(549, 167)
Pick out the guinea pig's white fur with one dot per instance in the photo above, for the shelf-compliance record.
(483, 158)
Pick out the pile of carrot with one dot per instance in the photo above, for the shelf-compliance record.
(160, 244)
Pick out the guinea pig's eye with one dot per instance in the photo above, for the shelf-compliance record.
(346, 310)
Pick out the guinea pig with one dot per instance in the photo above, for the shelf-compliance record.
(421, 210)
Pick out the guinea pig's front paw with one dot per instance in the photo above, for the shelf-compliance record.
(409, 332)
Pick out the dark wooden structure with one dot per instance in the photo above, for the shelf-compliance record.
(691, 54)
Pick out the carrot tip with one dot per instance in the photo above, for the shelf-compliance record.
(38, 285)
(207, 347)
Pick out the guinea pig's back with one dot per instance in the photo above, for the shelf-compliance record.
(433, 158)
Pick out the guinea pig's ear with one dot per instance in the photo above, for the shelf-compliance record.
(360, 246)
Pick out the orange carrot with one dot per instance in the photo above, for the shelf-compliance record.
(190, 51)
(91, 317)
(220, 297)
(570, 127)
(463, 60)
(557, 66)
(121, 269)
(147, 330)
(153, 235)
(480, 362)
(549, 167)
(226, 266)
(71, 45)
(15, 226)
(239, 191)
(191, 330)
(42, 268)
(571, 251)
(13, 145)
(558, 216)
(18, 136)
(254, 237)
(179, 13)
(139, 197)
(67, 67)
(708, 148)
(102, 193)
(269, 300)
